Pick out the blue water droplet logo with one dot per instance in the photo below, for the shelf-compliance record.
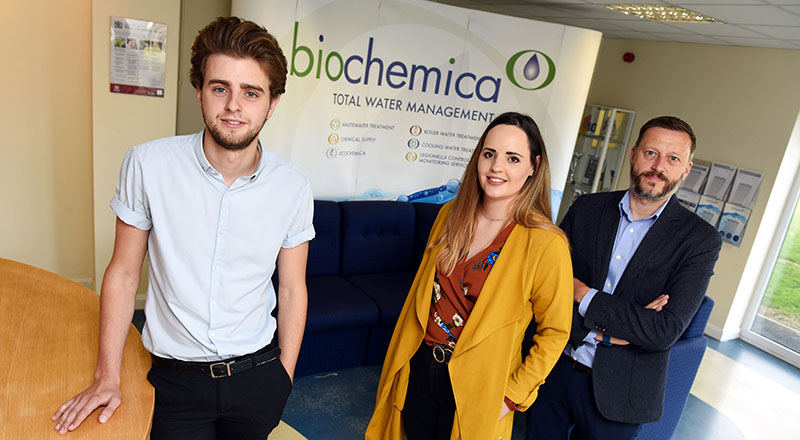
(531, 69)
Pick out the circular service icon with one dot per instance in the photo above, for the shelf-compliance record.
(333, 139)
(331, 153)
(413, 143)
(415, 130)
(335, 124)
(411, 156)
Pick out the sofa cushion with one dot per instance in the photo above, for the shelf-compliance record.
(335, 304)
(425, 216)
(387, 290)
(324, 249)
(332, 350)
(377, 237)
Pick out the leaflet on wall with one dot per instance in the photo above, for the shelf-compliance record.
(709, 209)
(392, 104)
(719, 180)
(732, 223)
(688, 199)
(138, 58)
(696, 178)
(745, 187)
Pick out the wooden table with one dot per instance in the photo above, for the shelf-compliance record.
(48, 349)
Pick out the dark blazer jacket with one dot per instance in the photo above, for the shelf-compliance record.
(676, 257)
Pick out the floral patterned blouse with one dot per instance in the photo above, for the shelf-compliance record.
(454, 296)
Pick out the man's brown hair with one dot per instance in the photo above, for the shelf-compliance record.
(669, 123)
(239, 38)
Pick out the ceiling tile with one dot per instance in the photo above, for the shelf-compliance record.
(594, 11)
(641, 25)
(782, 32)
(716, 29)
(609, 2)
(759, 42)
(553, 2)
(590, 23)
(687, 38)
(749, 14)
(757, 23)
(530, 10)
(689, 4)
(631, 35)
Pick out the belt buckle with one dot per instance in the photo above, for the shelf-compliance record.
(225, 372)
(440, 354)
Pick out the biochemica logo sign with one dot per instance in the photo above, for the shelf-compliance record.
(524, 70)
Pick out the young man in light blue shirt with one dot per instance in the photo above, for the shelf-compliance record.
(214, 211)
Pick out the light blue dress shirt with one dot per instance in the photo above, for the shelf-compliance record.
(211, 249)
(629, 236)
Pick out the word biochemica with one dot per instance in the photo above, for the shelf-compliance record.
(361, 69)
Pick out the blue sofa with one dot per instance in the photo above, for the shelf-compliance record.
(360, 267)
(684, 360)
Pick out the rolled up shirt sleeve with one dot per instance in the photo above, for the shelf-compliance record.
(130, 199)
(302, 229)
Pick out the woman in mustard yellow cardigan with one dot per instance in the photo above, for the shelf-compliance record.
(494, 261)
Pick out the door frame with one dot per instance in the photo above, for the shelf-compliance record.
(760, 288)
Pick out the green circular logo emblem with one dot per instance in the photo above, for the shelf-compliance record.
(530, 69)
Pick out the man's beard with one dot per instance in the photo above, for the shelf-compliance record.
(640, 190)
(229, 142)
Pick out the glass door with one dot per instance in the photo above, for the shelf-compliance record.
(773, 323)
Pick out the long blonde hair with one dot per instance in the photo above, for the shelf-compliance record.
(531, 208)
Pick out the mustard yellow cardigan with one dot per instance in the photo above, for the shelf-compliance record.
(532, 278)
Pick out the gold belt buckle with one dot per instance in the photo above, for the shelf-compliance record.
(226, 372)
(440, 353)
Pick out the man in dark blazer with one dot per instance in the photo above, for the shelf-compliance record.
(641, 264)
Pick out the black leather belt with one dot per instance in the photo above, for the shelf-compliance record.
(224, 368)
(577, 366)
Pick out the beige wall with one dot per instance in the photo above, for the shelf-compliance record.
(121, 121)
(46, 135)
(195, 15)
(742, 103)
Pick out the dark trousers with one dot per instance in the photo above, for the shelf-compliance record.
(566, 409)
(429, 406)
(246, 405)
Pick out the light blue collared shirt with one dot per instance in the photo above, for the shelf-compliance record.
(212, 249)
(630, 234)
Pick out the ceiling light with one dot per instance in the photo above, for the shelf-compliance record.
(668, 13)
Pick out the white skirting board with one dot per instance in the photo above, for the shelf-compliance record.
(717, 333)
